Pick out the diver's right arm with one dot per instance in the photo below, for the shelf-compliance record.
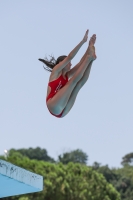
(71, 55)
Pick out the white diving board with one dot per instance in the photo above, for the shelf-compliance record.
(17, 181)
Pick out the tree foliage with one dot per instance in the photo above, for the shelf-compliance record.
(124, 183)
(121, 179)
(70, 179)
(127, 159)
(73, 181)
(76, 156)
(107, 173)
(96, 165)
(34, 153)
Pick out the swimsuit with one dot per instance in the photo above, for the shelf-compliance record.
(56, 85)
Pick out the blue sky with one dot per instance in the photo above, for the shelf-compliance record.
(101, 121)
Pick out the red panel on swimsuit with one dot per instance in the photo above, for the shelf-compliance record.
(56, 85)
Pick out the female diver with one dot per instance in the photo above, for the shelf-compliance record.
(64, 82)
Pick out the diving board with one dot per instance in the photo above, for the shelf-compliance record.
(17, 181)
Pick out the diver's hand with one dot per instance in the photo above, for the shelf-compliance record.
(85, 36)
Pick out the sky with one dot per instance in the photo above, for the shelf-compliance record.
(101, 120)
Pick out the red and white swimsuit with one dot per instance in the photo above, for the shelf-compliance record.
(56, 85)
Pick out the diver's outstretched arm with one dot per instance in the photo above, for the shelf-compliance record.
(71, 55)
(75, 68)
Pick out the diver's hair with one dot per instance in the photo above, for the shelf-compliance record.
(50, 64)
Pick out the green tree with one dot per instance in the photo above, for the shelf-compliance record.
(127, 159)
(121, 179)
(65, 182)
(34, 153)
(107, 173)
(76, 156)
(96, 165)
(124, 182)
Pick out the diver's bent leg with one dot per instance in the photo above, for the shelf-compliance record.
(77, 88)
(60, 100)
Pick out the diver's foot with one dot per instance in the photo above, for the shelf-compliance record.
(91, 50)
(92, 40)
